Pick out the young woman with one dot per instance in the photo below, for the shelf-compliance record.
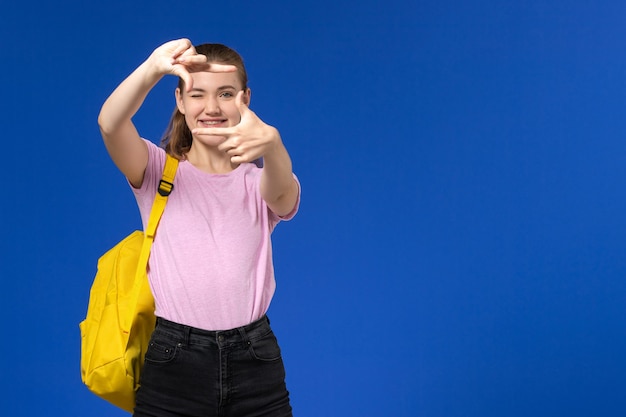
(211, 272)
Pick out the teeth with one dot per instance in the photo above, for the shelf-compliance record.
(211, 122)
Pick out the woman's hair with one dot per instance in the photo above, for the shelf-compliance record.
(177, 137)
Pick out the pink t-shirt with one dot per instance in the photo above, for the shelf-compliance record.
(211, 264)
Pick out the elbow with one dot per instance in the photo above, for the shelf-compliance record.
(109, 127)
(284, 204)
(105, 127)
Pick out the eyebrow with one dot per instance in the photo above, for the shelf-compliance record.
(221, 88)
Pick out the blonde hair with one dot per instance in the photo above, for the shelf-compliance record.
(177, 138)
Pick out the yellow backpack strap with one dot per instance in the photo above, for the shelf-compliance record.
(166, 185)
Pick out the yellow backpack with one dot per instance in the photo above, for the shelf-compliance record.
(120, 315)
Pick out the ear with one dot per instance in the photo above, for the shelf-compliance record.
(179, 101)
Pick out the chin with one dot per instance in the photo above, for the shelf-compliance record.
(212, 141)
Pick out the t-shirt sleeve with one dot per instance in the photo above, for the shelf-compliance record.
(145, 194)
(296, 206)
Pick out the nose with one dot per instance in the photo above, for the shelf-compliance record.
(212, 106)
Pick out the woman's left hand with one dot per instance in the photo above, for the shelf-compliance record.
(247, 141)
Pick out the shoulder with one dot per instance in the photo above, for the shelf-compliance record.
(154, 167)
(156, 157)
(154, 150)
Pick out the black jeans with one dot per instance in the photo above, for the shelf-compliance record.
(190, 372)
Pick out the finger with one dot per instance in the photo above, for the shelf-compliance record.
(182, 72)
(241, 106)
(222, 68)
(190, 55)
(195, 59)
(183, 46)
(228, 147)
(198, 63)
(238, 159)
(193, 63)
(239, 100)
(213, 131)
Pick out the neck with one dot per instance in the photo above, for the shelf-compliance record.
(209, 159)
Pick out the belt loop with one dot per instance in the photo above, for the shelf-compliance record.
(244, 336)
(187, 335)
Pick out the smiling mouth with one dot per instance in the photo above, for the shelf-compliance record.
(211, 122)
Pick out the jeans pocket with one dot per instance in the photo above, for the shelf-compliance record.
(160, 351)
(265, 348)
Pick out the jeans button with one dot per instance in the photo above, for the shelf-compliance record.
(220, 338)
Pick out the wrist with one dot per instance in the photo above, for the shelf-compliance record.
(275, 140)
(150, 71)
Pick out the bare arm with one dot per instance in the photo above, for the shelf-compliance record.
(120, 136)
(278, 187)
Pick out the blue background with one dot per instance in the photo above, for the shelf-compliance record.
(459, 249)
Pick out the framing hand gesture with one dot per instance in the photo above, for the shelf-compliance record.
(247, 141)
(180, 58)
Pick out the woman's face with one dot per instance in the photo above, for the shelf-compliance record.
(211, 102)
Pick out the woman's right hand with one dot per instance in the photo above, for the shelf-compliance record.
(179, 57)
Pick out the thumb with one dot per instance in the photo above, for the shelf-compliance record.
(187, 79)
(239, 102)
(180, 71)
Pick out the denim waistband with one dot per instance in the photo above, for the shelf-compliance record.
(193, 335)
